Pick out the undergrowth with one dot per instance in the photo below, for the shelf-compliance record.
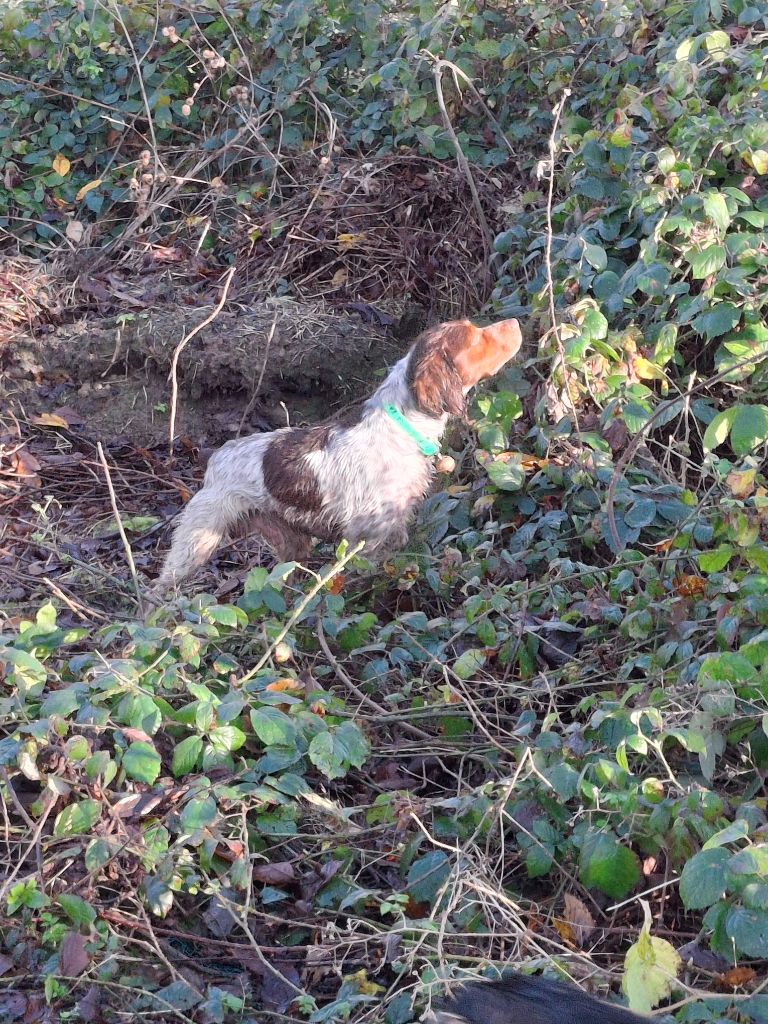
(327, 794)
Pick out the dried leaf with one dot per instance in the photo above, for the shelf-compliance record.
(339, 278)
(737, 977)
(741, 483)
(75, 231)
(87, 188)
(73, 958)
(579, 918)
(5, 964)
(49, 419)
(349, 241)
(690, 586)
(279, 873)
(90, 1005)
(24, 463)
(285, 685)
(61, 165)
(565, 931)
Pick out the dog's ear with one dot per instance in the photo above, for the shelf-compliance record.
(433, 377)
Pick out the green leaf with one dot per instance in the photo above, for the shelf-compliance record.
(749, 428)
(333, 752)
(61, 702)
(717, 43)
(717, 321)
(273, 727)
(226, 738)
(749, 930)
(77, 910)
(606, 865)
(507, 476)
(716, 209)
(718, 429)
(427, 876)
(186, 755)
(26, 671)
(759, 158)
(641, 513)
(703, 879)
(664, 349)
(468, 663)
(706, 261)
(595, 255)
(650, 967)
(751, 861)
(77, 819)
(715, 561)
(199, 813)
(142, 762)
(594, 326)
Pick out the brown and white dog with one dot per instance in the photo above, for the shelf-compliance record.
(357, 476)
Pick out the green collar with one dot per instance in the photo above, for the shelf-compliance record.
(426, 447)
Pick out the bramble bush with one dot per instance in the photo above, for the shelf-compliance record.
(585, 641)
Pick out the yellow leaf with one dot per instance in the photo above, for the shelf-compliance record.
(61, 165)
(49, 419)
(650, 968)
(741, 482)
(87, 188)
(347, 241)
(646, 370)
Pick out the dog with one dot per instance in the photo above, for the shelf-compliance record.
(527, 999)
(356, 477)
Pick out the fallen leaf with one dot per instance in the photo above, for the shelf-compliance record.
(13, 1006)
(49, 419)
(565, 931)
(90, 1005)
(349, 241)
(339, 278)
(72, 416)
(737, 977)
(24, 463)
(690, 586)
(279, 873)
(61, 165)
(87, 188)
(73, 958)
(75, 231)
(285, 685)
(579, 918)
(5, 964)
(336, 585)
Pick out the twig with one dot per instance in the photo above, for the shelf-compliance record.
(556, 114)
(310, 595)
(74, 606)
(33, 845)
(120, 527)
(440, 65)
(183, 344)
(355, 689)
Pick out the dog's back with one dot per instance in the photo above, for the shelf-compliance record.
(524, 999)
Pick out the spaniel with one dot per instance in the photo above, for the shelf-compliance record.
(357, 476)
(520, 997)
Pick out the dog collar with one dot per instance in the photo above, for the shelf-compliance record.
(426, 447)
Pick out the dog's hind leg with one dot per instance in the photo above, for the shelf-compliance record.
(208, 518)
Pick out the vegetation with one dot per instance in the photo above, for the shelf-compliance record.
(551, 709)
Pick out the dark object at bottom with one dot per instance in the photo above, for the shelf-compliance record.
(525, 999)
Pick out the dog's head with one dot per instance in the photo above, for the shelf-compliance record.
(447, 361)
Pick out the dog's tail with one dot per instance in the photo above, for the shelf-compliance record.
(207, 519)
(525, 999)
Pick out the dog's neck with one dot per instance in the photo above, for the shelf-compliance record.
(396, 391)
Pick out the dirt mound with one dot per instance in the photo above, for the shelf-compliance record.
(247, 369)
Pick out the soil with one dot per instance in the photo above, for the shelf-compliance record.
(252, 369)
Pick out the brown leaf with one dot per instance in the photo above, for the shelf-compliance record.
(579, 918)
(90, 1005)
(72, 416)
(25, 464)
(737, 977)
(73, 958)
(135, 735)
(565, 931)
(279, 873)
